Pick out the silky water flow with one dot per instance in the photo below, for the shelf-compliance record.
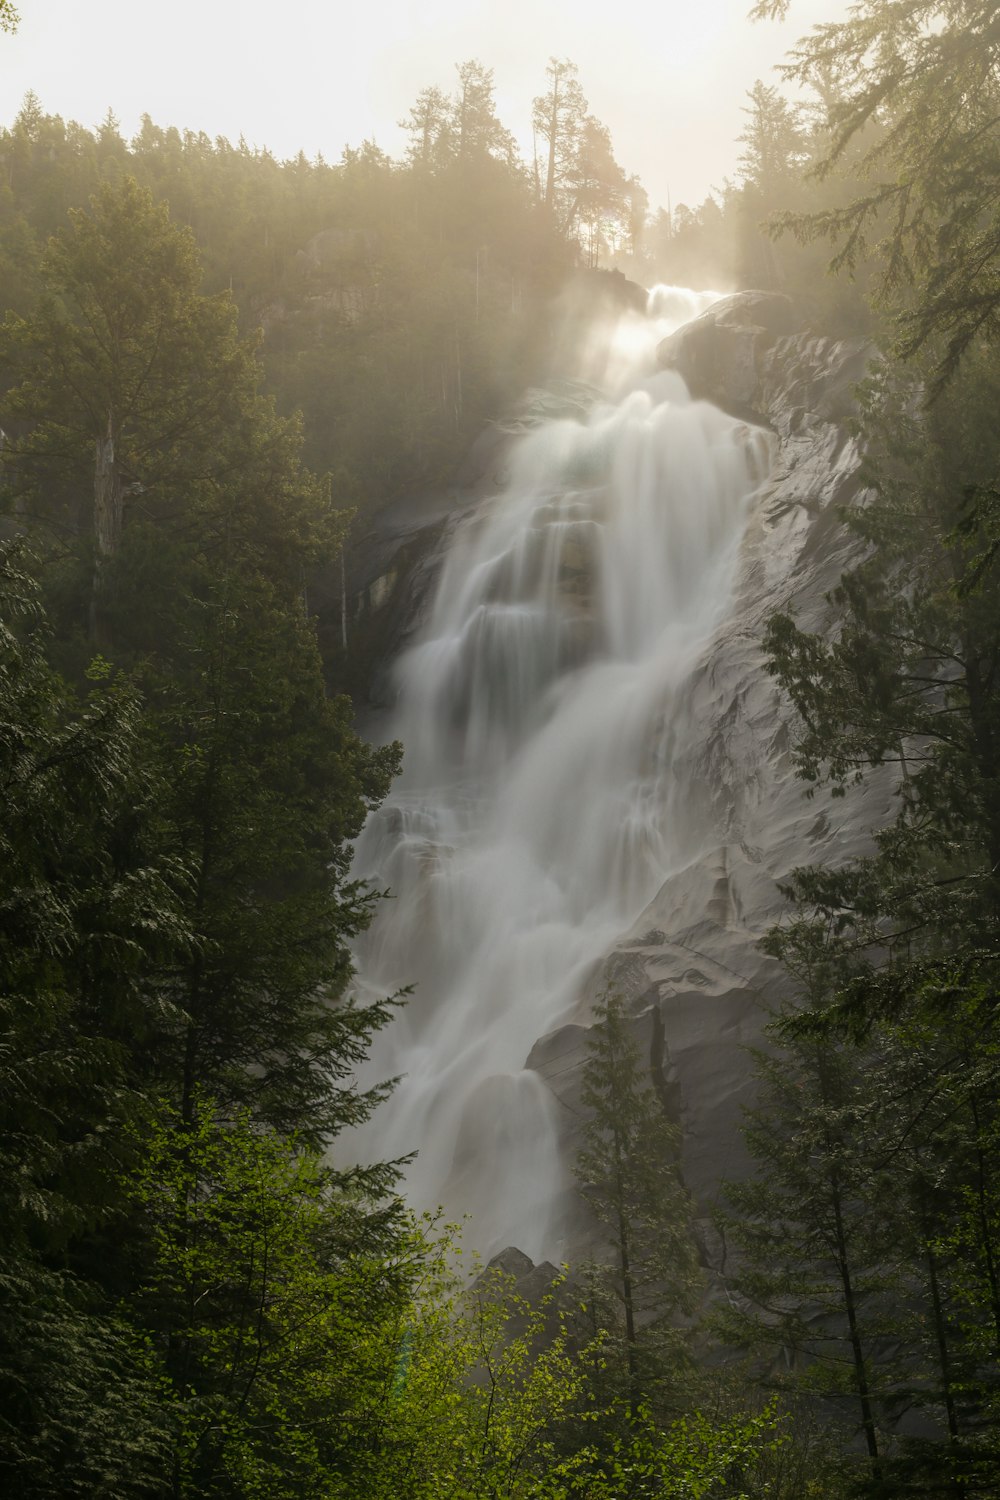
(538, 811)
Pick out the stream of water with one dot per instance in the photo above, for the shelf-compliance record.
(538, 811)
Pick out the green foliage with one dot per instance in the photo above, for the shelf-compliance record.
(868, 1242)
(813, 1295)
(402, 307)
(696, 1458)
(125, 358)
(484, 1381)
(629, 1177)
(268, 1284)
(909, 684)
(176, 906)
(914, 85)
(492, 1401)
(91, 908)
(269, 784)
(81, 1408)
(870, 1235)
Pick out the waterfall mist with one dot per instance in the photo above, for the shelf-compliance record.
(538, 811)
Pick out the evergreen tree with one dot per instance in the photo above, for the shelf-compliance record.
(629, 1176)
(175, 886)
(905, 941)
(556, 117)
(598, 187)
(430, 130)
(916, 89)
(911, 684)
(106, 388)
(773, 152)
(477, 131)
(817, 1259)
(274, 1299)
(90, 911)
(202, 578)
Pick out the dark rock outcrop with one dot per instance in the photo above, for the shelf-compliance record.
(721, 355)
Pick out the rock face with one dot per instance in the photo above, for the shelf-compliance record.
(697, 986)
(696, 983)
(722, 354)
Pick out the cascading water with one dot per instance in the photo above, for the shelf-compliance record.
(538, 813)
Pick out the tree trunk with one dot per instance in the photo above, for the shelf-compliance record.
(857, 1351)
(108, 515)
(625, 1264)
(550, 175)
(944, 1360)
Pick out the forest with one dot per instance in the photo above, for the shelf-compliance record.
(215, 366)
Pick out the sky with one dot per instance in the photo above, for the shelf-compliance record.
(667, 78)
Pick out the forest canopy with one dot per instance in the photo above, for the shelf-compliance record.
(211, 362)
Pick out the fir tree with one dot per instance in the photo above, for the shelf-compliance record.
(629, 1175)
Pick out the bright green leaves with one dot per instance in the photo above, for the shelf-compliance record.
(696, 1458)
(267, 1322)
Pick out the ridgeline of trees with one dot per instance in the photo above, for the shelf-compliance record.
(209, 358)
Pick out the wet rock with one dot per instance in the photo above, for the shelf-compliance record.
(511, 1262)
(693, 952)
(698, 988)
(721, 354)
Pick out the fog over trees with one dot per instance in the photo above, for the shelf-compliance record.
(216, 369)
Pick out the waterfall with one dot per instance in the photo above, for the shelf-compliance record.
(538, 811)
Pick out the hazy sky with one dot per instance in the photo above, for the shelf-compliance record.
(668, 78)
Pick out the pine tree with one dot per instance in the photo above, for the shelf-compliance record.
(556, 117)
(128, 384)
(200, 577)
(90, 911)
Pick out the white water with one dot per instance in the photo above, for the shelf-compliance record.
(538, 813)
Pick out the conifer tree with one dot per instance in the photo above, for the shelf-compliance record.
(557, 116)
(629, 1175)
(128, 383)
(816, 1258)
(897, 952)
(913, 88)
